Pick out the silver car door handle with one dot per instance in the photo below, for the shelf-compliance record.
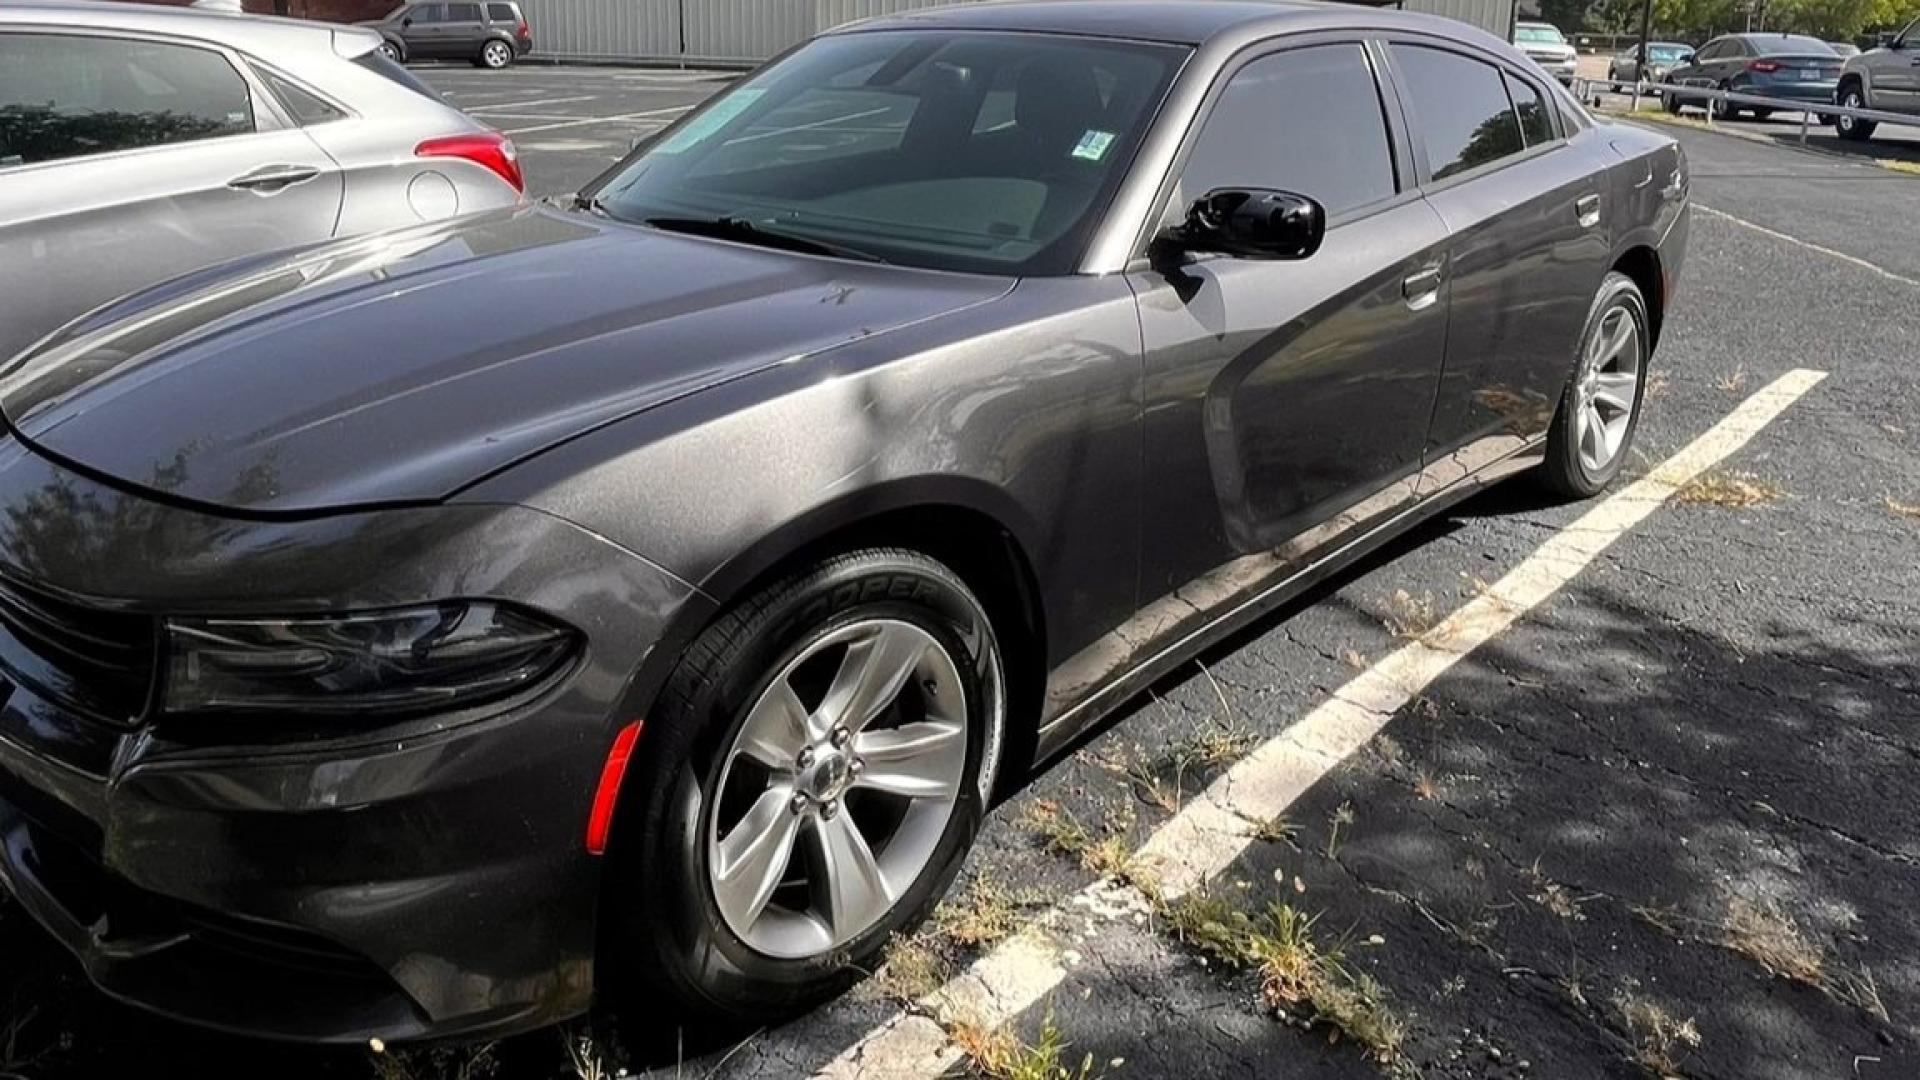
(1587, 207)
(1421, 288)
(269, 179)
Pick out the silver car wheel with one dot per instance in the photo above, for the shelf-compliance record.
(837, 788)
(1607, 388)
(496, 54)
(388, 50)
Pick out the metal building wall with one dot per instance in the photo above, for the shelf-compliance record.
(744, 32)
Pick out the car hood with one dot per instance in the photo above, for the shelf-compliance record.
(400, 367)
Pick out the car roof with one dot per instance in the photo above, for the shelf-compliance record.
(246, 33)
(1184, 22)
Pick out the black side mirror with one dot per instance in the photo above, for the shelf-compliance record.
(1251, 223)
(408, 21)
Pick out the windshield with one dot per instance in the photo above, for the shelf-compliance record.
(985, 152)
(1539, 35)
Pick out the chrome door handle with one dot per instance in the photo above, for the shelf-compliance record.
(1421, 288)
(1587, 207)
(269, 179)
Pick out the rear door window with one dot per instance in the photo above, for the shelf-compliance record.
(463, 13)
(74, 96)
(1462, 111)
(1536, 123)
(1306, 120)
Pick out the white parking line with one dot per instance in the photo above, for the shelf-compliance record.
(1808, 245)
(584, 121)
(532, 103)
(1211, 832)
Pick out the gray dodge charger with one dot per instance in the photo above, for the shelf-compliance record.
(417, 635)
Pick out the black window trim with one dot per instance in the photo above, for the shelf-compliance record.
(1399, 144)
(268, 114)
(1427, 184)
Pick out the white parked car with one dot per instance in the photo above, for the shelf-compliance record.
(1545, 45)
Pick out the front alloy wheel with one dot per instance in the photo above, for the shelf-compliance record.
(391, 51)
(806, 785)
(838, 787)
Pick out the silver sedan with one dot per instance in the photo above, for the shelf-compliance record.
(139, 143)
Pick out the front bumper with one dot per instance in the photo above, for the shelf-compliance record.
(427, 878)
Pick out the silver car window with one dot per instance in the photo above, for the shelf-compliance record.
(67, 96)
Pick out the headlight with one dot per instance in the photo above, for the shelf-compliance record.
(433, 657)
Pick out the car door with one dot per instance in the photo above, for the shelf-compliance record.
(1287, 402)
(127, 160)
(1895, 73)
(1700, 71)
(1523, 204)
(462, 30)
(420, 30)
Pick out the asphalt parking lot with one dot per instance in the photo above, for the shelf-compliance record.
(1659, 817)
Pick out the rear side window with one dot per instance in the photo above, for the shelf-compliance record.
(1305, 120)
(1535, 122)
(463, 12)
(502, 13)
(394, 72)
(1464, 117)
(305, 108)
(70, 96)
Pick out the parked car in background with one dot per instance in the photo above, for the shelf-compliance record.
(138, 143)
(1797, 69)
(1844, 49)
(1886, 78)
(1667, 55)
(424, 632)
(490, 33)
(1545, 45)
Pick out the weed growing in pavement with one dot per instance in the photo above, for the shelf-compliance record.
(1897, 165)
(1341, 816)
(583, 1054)
(1901, 509)
(1657, 383)
(1733, 383)
(1660, 1043)
(1729, 489)
(997, 1053)
(1768, 936)
(1278, 831)
(1062, 833)
(1300, 979)
(1354, 659)
(1411, 617)
(986, 913)
(441, 1062)
(1424, 787)
(912, 967)
(1553, 896)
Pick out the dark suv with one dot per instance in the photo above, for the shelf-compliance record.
(491, 33)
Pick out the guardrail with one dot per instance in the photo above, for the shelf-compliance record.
(1588, 90)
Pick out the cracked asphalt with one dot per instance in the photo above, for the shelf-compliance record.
(1682, 789)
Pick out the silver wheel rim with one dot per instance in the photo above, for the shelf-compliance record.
(390, 52)
(837, 788)
(496, 55)
(1604, 394)
(1851, 101)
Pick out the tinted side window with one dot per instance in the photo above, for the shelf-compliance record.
(1463, 113)
(305, 108)
(425, 13)
(1535, 122)
(65, 97)
(463, 12)
(501, 13)
(1306, 120)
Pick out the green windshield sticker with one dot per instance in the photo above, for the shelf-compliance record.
(1093, 145)
(715, 118)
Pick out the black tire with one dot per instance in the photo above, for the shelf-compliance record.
(494, 55)
(1563, 473)
(1848, 128)
(1720, 109)
(1671, 101)
(665, 944)
(1762, 114)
